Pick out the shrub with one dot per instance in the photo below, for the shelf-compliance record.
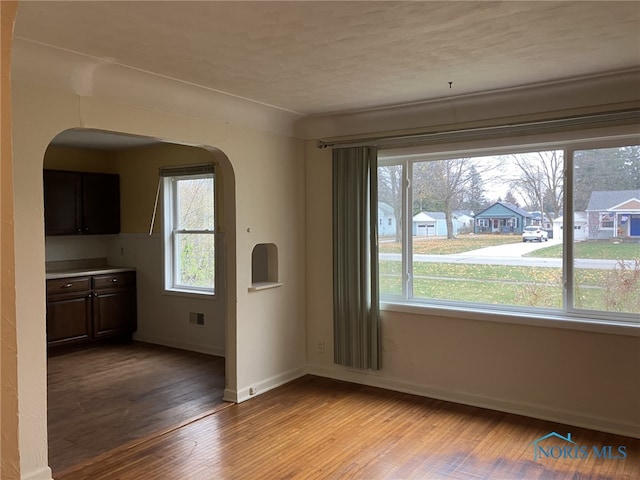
(622, 287)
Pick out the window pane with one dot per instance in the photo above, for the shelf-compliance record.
(390, 229)
(194, 203)
(195, 260)
(482, 229)
(606, 228)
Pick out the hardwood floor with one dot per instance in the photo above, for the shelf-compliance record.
(316, 428)
(116, 394)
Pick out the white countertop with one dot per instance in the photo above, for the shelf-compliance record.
(81, 272)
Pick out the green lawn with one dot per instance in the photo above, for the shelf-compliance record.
(443, 246)
(500, 273)
(512, 285)
(487, 292)
(596, 289)
(604, 250)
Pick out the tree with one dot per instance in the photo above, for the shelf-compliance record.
(539, 180)
(390, 192)
(605, 169)
(196, 249)
(510, 198)
(442, 184)
(475, 199)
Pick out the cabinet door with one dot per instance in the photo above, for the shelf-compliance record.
(62, 211)
(68, 318)
(100, 203)
(114, 312)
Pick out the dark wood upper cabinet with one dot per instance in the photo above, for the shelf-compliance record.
(80, 203)
(62, 210)
(101, 203)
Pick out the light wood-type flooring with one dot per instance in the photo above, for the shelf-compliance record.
(116, 394)
(317, 428)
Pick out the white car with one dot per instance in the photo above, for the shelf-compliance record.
(529, 234)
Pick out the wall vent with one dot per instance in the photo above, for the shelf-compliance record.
(196, 318)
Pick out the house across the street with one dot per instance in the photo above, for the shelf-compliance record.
(539, 218)
(502, 217)
(386, 219)
(462, 221)
(613, 214)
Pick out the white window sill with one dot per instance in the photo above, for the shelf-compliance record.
(190, 294)
(538, 319)
(264, 286)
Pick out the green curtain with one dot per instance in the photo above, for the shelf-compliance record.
(356, 309)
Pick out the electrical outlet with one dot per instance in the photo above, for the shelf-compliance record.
(253, 390)
(320, 346)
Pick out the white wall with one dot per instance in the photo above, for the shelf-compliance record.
(58, 248)
(265, 330)
(164, 319)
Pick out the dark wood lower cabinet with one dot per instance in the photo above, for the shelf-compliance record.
(113, 312)
(86, 309)
(68, 319)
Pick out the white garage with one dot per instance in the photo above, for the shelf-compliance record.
(579, 227)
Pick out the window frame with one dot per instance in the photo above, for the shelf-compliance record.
(170, 212)
(567, 317)
(602, 222)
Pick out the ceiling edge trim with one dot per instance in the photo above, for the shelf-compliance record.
(52, 68)
(599, 93)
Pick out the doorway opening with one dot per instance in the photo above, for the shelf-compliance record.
(110, 381)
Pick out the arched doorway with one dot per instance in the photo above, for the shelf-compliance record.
(163, 319)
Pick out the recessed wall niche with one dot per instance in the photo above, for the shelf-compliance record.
(264, 267)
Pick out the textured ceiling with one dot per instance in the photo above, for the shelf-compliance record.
(322, 57)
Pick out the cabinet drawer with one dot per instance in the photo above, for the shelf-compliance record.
(123, 279)
(69, 284)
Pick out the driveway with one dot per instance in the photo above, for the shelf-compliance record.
(509, 250)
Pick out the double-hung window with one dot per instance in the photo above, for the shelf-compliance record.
(189, 229)
(553, 229)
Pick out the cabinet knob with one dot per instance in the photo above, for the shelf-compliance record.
(114, 280)
(68, 285)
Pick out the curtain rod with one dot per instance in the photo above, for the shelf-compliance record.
(601, 119)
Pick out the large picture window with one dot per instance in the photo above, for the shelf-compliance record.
(486, 230)
(189, 231)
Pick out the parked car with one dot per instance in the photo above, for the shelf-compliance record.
(529, 234)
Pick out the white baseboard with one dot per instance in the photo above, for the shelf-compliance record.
(263, 386)
(167, 342)
(526, 409)
(41, 474)
(230, 395)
